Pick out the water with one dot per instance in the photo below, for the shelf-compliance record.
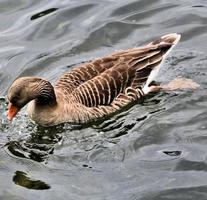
(155, 150)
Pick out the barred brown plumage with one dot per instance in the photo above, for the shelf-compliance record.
(94, 89)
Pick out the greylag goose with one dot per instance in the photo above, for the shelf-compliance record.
(94, 89)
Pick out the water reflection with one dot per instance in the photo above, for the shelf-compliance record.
(22, 179)
(152, 150)
(43, 13)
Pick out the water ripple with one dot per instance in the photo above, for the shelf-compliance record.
(153, 150)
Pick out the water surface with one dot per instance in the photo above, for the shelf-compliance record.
(154, 150)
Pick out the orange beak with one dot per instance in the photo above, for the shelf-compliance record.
(12, 111)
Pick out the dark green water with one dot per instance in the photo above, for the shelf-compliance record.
(156, 150)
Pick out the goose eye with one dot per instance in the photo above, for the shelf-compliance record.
(14, 100)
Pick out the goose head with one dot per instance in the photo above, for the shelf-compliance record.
(25, 89)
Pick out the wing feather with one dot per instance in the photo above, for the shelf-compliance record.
(128, 72)
(71, 80)
(100, 82)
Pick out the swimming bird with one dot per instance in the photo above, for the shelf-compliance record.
(94, 89)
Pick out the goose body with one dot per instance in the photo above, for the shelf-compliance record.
(92, 90)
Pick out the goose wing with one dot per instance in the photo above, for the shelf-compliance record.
(131, 71)
(131, 58)
(71, 80)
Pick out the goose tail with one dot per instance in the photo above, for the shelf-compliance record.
(169, 40)
(172, 38)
